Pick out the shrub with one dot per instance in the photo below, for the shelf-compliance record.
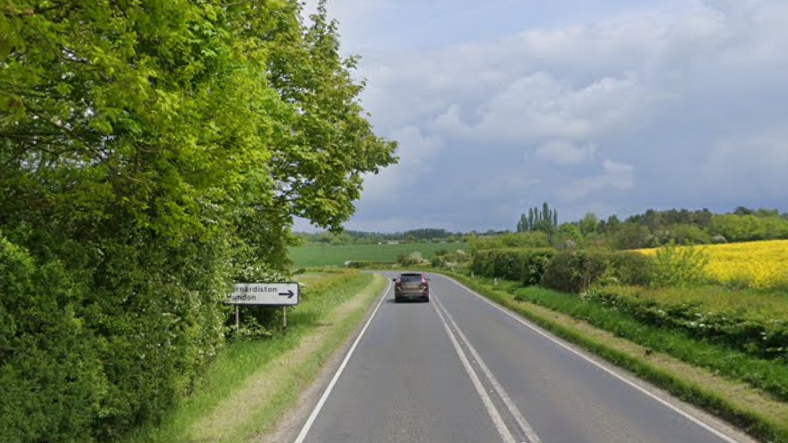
(522, 265)
(51, 378)
(759, 332)
(679, 266)
(576, 271)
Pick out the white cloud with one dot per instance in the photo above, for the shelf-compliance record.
(416, 152)
(616, 176)
(565, 153)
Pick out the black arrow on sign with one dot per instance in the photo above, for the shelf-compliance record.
(289, 294)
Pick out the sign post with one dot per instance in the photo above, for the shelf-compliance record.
(264, 294)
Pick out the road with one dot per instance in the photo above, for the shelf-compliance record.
(459, 369)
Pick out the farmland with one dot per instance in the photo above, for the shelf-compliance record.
(757, 265)
(337, 255)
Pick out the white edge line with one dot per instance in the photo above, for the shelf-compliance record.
(526, 427)
(664, 402)
(313, 416)
(506, 436)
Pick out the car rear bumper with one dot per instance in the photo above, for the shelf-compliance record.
(415, 295)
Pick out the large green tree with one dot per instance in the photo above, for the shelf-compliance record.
(151, 152)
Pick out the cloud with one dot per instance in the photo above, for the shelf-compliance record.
(565, 153)
(739, 167)
(417, 153)
(615, 176)
(689, 95)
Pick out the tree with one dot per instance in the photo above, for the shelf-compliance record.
(152, 153)
(589, 224)
(544, 220)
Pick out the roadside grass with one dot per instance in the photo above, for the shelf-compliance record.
(768, 375)
(310, 276)
(330, 255)
(252, 383)
(772, 303)
(654, 356)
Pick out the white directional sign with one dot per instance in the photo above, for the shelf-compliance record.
(270, 294)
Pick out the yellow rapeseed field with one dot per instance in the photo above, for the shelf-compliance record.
(759, 265)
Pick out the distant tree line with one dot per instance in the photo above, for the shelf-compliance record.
(362, 237)
(650, 229)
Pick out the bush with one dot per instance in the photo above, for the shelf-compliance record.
(576, 271)
(522, 265)
(754, 331)
(450, 260)
(415, 258)
(51, 377)
(679, 266)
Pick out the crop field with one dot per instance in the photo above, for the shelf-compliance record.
(757, 265)
(329, 255)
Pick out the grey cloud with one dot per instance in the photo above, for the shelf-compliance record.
(686, 105)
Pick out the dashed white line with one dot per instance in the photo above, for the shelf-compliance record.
(513, 409)
(506, 436)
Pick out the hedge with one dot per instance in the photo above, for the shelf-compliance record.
(526, 266)
(576, 271)
(752, 331)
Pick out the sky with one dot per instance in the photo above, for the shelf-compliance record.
(604, 106)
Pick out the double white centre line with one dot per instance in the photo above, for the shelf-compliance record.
(495, 415)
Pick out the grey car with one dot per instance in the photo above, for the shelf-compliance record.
(411, 286)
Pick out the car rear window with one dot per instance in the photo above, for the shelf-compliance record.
(410, 278)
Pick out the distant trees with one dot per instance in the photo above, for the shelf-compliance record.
(544, 220)
(650, 229)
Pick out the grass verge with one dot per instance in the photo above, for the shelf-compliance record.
(754, 411)
(252, 383)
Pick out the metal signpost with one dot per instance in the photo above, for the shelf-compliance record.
(264, 294)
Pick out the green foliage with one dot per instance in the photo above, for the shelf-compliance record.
(762, 333)
(450, 260)
(45, 343)
(589, 224)
(576, 271)
(679, 266)
(151, 153)
(541, 220)
(412, 259)
(631, 313)
(509, 240)
(526, 266)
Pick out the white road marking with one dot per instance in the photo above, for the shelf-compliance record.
(664, 402)
(313, 416)
(513, 409)
(506, 436)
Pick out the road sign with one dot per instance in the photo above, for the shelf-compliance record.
(268, 294)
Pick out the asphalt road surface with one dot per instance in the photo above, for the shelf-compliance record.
(459, 369)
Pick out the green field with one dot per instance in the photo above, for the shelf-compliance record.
(307, 256)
